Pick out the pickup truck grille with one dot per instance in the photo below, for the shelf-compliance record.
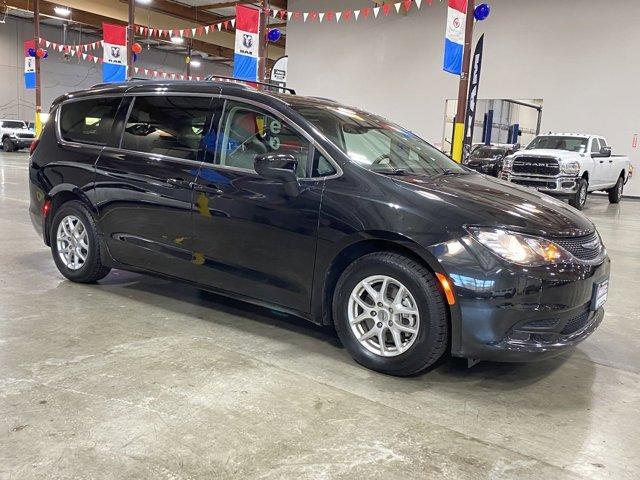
(547, 167)
(583, 248)
(24, 135)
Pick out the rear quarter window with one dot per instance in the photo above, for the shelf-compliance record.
(88, 121)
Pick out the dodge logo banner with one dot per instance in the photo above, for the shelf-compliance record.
(245, 60)
(472, 101)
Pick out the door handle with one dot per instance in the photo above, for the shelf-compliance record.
(211, 190)
(177, 182)
(601, 161)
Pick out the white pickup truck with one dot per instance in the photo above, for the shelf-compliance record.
(569, 165)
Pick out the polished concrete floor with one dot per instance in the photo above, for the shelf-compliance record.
(141, 378)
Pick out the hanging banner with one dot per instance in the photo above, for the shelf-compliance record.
(472, 101)
(454, 39)
(114, 64)
(29, 65)
(245, 59)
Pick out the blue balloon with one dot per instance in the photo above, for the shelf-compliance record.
(135, 57)
(46, 54)
(482, 12)
(274, 35)
(32, 52)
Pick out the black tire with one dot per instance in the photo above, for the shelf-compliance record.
(579, 199)
(93, 269)
(615, 193)
(433, 333)
(8, 145)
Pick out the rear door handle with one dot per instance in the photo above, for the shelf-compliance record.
(211, 190)
(177, 182)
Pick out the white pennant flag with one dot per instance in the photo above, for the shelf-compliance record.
(376, 11)
(181, 33)
(338, 16)
(206, 29)
(321, 16)
(233, 23)
(146, 71)
(275, 12)
(289, 15)
(84, 56)
(418, 3)
(305, 15)
(219, 26)
(398, 5)
(95, 59)
(47, 43)
(190, 77)
(356, 13)
(136, 69)
(193, 32)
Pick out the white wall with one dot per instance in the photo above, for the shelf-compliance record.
(59, 76)
(579, 56)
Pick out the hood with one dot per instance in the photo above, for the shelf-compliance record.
(560, 154)
(482, 161)
(17, 130)
(481, 200)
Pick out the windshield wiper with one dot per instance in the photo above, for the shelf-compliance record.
(449, 172)
(395, 171)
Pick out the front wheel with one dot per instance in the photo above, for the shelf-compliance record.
(75, 244)
(579, 199)
(8, 146)
(390, 314)
(615, 193)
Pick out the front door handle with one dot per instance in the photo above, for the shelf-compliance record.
(178, 182)
(211, 190)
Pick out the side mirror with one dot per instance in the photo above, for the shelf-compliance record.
(280, 167)
(605, 152)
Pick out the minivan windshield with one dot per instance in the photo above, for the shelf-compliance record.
(377, 144)
(556, 142)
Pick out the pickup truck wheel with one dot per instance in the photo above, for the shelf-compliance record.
(615, 193)
(7, 144)
(579, 200)
(390, 314)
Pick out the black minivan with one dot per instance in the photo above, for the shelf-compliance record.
(317, 209)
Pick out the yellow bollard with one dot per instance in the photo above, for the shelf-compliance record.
(458, 140)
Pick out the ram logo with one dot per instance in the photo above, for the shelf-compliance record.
(247, 40)
(115, 52)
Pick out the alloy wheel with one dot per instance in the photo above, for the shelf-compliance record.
(72, 242)
(383, 315)
(583, 195)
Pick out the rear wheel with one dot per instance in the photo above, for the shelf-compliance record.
(579, 199)
(8, 145)
(615, 193)
(390, 314)
(75, 244)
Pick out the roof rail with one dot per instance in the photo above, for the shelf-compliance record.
(248, 82)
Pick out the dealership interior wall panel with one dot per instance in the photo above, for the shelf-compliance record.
(572, 54)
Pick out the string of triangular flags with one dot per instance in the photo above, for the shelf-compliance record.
(286, 15)
(62, 47)
(149, 72)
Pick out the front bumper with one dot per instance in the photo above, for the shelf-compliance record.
(514, 314)
(557, 186)
(21, 142)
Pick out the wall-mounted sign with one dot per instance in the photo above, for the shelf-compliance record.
(279, 71)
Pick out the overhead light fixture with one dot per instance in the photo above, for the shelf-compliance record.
(177, 40)
(144, 2)
(62, 11)
(195, 63)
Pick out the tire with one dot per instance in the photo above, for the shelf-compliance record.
(615, 193)
(89, 270)
(579, 200)
(419, 350)
(8, 145)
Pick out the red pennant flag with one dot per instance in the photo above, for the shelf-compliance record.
(200, 30)
(366, 12)
(329, 16)
(296, 15)
(226, 25)
(313, 16)
(386, 8)
(282, 14)
(346, 15)
(407, 4)
(90, 57)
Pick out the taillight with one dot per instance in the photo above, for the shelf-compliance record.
(33, 146)
(46, 207)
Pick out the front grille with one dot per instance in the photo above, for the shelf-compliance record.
(536, 166)
(588, 247)
(24, 135)
(576, 323)
(535, 184)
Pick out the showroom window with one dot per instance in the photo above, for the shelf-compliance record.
(88, 121)
(173, 126)
(248, 131)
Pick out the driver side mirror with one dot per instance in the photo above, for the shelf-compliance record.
(605, 152)
(280, 167)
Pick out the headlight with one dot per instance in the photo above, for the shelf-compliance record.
(570, 168)
(507, 163)
(519, 248)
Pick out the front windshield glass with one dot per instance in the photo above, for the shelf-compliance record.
(554, 142)
(375, 143)
(13, 124)
(489, 152)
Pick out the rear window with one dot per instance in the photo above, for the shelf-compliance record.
(88, 121)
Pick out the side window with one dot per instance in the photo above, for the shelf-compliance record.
(174, 126)
(595, 146)
(88, 121)
(248, 131)
(321, 166)
(603, 143)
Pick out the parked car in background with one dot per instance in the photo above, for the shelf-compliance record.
(318, 209)
(569, 165)
(15, 134)
(488, 159)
